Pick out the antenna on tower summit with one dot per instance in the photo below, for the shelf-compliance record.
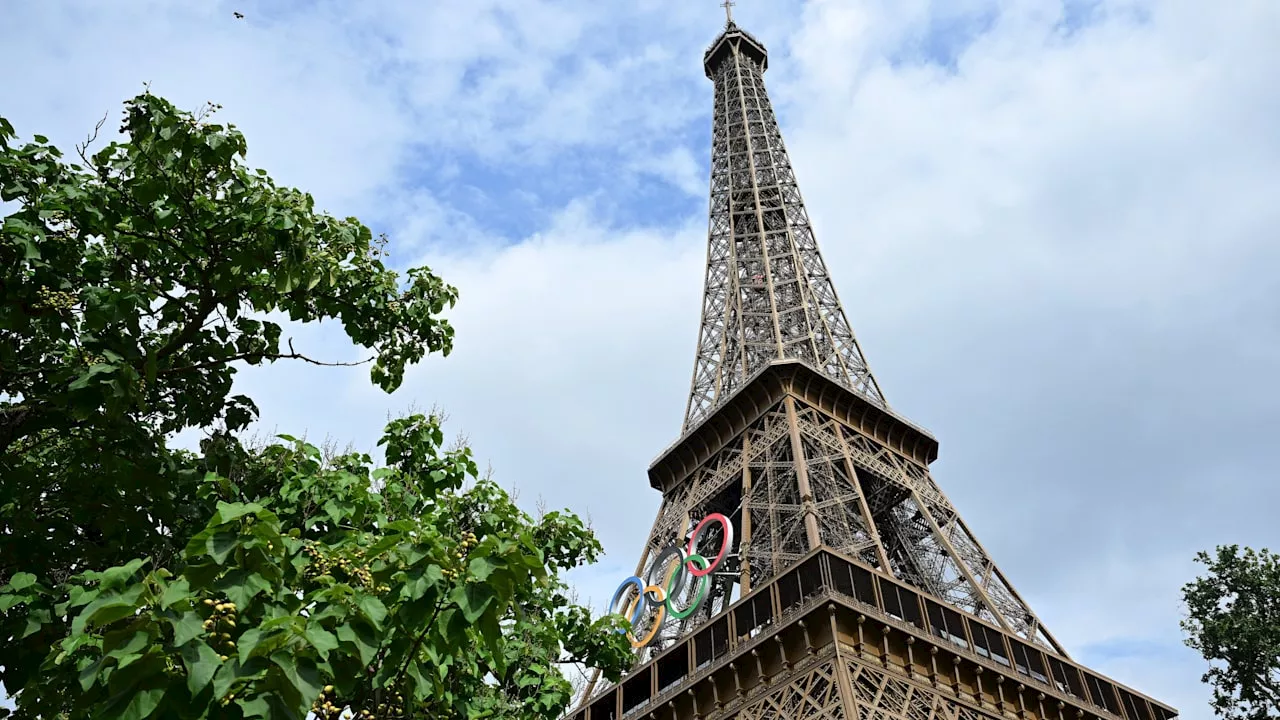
(728, 12)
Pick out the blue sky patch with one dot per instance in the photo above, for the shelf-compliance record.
(944, 39)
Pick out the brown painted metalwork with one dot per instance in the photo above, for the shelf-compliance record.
(855, 589)
(830, 637)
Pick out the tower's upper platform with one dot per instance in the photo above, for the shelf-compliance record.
(722, 49)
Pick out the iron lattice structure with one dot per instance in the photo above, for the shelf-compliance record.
(768, 295)
(853, 587)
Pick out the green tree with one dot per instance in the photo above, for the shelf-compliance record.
(130, 286)
(141, 581)
(1234, 621)
(416, 590)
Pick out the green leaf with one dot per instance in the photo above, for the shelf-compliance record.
(79, 596)
(248, 642)
(422, 686)
(255, 585)
(234, 511)
(108, 609)
(384, 545)
(284, 280)
(301, 672)
(149, 366)
(219, 546)
(225, 675)
(322, 640)
(89, 675)
(136, 641)
(30, 251)
(361, 638)
(117, 576)
(481, 568)
(35, 621)
(175, 591)
(241, 587)
(86, 378)
(21, 581)
(143, 704)
(201, 662)
(254, 707)
(374, 610)
(186, 628)
(472, 600)
(71, 644)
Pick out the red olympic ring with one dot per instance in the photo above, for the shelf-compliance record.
(726, 542)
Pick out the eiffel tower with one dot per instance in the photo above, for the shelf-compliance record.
(845, 584)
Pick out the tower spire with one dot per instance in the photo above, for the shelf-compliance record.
(728, 12)
(768, 296)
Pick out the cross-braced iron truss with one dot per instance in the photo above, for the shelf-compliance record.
(797, 479)
(768, 295)
(814, 694)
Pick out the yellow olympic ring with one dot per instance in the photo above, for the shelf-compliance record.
(661, 595)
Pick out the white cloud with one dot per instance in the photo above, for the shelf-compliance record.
(1057, 254)
(678, 168)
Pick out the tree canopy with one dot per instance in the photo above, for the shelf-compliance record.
(142, 581)
(1234, 621)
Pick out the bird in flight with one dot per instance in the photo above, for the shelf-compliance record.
(239, 16)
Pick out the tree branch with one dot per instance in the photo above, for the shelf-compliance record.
(82, 148)
(195, 321)
(11, 421)
(291, 355)
(417, 643)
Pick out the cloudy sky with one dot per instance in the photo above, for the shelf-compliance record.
(1052, 224)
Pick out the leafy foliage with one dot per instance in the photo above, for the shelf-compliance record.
(138, 581)
(420, 599)
(130, 287)
(1235, 624)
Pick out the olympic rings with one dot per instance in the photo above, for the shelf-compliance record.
(659, 594)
